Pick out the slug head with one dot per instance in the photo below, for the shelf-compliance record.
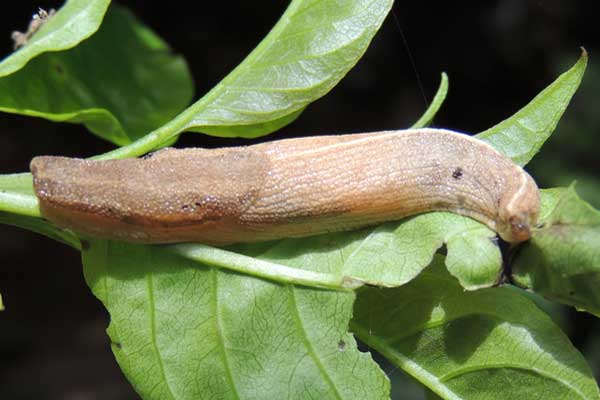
(519, 209)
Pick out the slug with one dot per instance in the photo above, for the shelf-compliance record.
(287, 188)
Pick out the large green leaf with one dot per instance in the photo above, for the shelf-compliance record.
(181, 330)
(74, 22)
(121, 83)
(489, 344)
(311, 48)
(562, 260)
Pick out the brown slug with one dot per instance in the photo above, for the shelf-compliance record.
(287, 188)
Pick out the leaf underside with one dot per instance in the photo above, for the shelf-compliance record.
(562, 260)
(143, 85)
(181, 330)
(488, 344)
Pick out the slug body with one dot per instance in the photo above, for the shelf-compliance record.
(287, 188)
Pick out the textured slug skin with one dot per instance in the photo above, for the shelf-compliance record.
(287, 188)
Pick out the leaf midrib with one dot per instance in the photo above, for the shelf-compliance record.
(295, 313)
(220, 336)
(152, 317)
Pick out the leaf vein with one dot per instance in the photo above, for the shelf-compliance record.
(219, 332)
(152, 316)
(310, 349)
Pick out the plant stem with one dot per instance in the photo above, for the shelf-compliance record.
(263, 269)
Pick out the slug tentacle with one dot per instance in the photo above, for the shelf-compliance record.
(287, 188)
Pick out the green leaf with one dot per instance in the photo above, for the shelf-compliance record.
(181, 330)
(562, 260)
(2, 308)
(121, 83)
(435, 105)
(74, 22)
(310, 49)
(489, 344)
(390, 255)
(521, 136)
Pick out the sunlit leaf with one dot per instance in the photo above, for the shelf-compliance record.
(121, 83)
(73, 23)
(181, 330)
(488, 344)
(535, 122)
(310, 49)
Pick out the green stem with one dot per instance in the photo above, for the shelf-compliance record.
(263, 269)
(19, 203)
(16, 195)
(435, 105)
(151, 141)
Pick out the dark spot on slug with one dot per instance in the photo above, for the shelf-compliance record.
(185, 207)
(458, 173)
(341, 345)
(198, 204)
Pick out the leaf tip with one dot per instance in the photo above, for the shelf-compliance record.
(581, 64)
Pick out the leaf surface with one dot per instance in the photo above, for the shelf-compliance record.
(181, 330)
(391, 254)
(121, 83)
(534, 123)
(310, 49)
(562, 260)
(489, 344)
(73, 23)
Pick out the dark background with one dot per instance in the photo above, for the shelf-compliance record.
(498, 55)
